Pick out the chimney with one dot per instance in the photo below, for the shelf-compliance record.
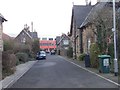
(31, 26)
(25, 26)
(32, 29)
(86, 2)
(90, 3)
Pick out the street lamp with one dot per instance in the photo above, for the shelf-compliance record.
(115, 51)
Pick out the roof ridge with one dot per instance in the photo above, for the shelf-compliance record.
(82, 5)
(2, 17)
(27, 33)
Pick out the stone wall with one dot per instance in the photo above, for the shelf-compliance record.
(88, 38)
(1, 41)
(77, 43)
(1, 48)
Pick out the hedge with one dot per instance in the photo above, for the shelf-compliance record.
(22, 57)
(94, 52)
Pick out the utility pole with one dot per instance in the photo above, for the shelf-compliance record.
(32, 29)
(115, 49)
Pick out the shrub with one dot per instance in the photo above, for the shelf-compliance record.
(17, 61)
(8, 45)
(81, 57)
(22, 57)
(18, 47)
(35, 46)
(94, 52)
(111, 50)
(111, 53)
(70, 52)
(8, 63)
(31, 55)
(24, 48)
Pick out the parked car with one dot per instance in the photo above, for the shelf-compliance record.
(47, 51)
(41, 55)
(53, 52)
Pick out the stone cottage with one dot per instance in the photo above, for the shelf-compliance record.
(79, 14)
(63, 43)
(89, 26)
(25, 36)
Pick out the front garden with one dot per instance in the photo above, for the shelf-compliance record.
(17, 53)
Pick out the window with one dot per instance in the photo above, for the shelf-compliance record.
(65, 42)
(23, 40)
(23, 34)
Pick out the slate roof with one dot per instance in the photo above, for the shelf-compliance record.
(6, 37)
(96, 8)
(57, 39)
(62, 37)
(31, 35)
(25, 33)
(93, 13)
(2, 18)
(79, 13)
(34, 35)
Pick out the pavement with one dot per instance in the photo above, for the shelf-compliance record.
(109, 76)
(20, 71)
(23, 68)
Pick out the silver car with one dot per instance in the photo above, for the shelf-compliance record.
(41, 55)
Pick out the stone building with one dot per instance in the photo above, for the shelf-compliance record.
(2, 19)
(25, 36)
(82, 31)
(63, 43)
(89, 26)
(79, 14)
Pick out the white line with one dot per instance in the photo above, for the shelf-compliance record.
(92, 72)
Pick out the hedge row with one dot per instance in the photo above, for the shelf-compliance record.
(15, 54)
(8, 63)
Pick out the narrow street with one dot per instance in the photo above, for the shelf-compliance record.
(56, 72)
(81, 36)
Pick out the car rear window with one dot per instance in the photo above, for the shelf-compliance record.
(42, 52)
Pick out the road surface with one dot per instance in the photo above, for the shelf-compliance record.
(56, 72)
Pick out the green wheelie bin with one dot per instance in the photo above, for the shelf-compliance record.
(104, 63)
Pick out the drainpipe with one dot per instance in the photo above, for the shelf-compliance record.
(81, 40)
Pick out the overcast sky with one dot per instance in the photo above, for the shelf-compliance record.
(50, 17)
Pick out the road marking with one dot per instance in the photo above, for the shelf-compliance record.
(92, 72)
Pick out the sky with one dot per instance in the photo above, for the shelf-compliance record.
(50, 18)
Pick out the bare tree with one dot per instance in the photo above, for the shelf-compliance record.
(103, 24)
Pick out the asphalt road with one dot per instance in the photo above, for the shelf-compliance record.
(55, 72)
